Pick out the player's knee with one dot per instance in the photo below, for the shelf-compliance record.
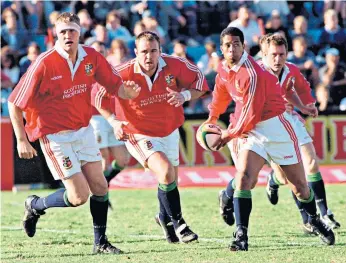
(245, 181)
(167, 175)
(100, 187)
(123, 160)
(312, 166)
(79, 199)
(301, 190)
(254, 182)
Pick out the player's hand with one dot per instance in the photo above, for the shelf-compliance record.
(118, 130)
(131, 89)
(25, 150)
(310, 110)
(224, 139)
(175, 98)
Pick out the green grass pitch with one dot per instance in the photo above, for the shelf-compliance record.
(65, 235)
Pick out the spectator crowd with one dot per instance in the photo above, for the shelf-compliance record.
(315, 31)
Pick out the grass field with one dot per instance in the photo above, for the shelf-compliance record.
(65, 235)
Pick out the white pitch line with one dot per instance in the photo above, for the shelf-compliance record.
(213, 240)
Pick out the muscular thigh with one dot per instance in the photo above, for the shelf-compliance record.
(295, 173)
(249, 165)
(95, 178)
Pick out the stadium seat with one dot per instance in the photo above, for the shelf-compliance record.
(195, 52)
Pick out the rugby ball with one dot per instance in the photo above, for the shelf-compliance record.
(207, 134)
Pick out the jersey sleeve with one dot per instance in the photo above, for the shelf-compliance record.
(191, 77)
(253, 103)
(303, 88)
(107, 76)
(221, 98)
(30, 82)
(100, 99)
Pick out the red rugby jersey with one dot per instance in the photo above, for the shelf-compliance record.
(301, 85)
(149, 113)
(56, 95)
(256, 92)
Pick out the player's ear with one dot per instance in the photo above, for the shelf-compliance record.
(136, 52)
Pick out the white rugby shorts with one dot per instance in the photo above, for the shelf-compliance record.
(274, 139)
(104, 133)
(302, 134)
(141, 147)
(67, 151)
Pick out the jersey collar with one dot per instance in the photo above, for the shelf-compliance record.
(285, 72)
(81, 52)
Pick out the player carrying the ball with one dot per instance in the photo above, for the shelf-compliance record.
(263, 131)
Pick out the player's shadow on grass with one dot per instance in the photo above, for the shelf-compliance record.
(178, 247)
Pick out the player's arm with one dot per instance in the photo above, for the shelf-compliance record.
(25, 150)
(116, 124)
(109, 77)
(220, 101)
(102, 101)
(292, 97)
(19, 100)
(192, 80)
(303, 88)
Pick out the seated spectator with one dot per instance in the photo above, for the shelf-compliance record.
(13, 31)
(183, 18)
(138, 28)
(333, 75)
(179, 49)
(250, 28)
(274, 25)
(9, 64)
(86, 24)
(305, 60)
(323, 101)
(51, 32)
(99, 47)
(332, 34)
(151, 24)
(296, 8)
(25, 62)
(235, 5)
(203, 63)
(340, 9)
(102, 8)
(89, 6)
(115, 29)
(300, 28)
(118, 53)
(264, 9)
(100, 34)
